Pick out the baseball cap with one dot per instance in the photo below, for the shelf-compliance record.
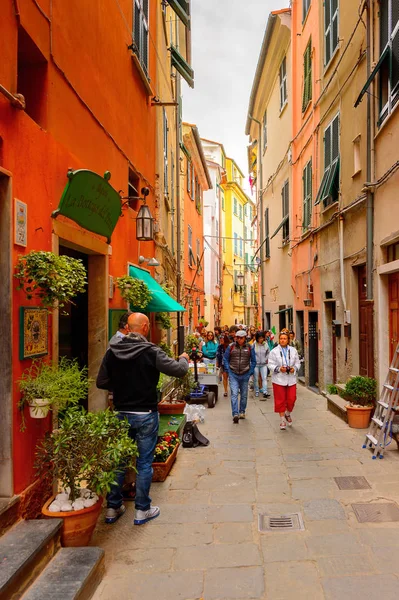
(241, 333)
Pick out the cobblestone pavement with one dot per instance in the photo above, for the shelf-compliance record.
(206, 543)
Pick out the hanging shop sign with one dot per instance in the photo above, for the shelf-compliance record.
(89, 200)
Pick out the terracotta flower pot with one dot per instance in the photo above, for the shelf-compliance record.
(358, 416)
(171, 408)
(161, 469)
(78, 525)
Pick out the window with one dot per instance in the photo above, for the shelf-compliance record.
(286, 211)
(224, 244)
(235, 204)
(283, 84)
(223, 206)
(32, 78)
(235, 244)
(140, 32)
(330, 29)
(199, 256)
(307, 195)
(241, 248)
(329, 187)
(172, 181)
(305, 9)
(198, 196)
(245, 232)
(217, 231)
(165, 154)
(389, 45)
(189, 177)
(240, 212)
(217, 273)
(264, 131)
(133, 187)
(357, 161)
(267, 233)
(307, 76)
(191, 259)
(393, 252)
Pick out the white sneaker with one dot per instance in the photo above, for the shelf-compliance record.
(283, 425)
(289, 419)
(113, 514)
(142, 516)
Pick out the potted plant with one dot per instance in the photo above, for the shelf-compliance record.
(83, 455)
(185, 385)
(165, 455)
(134, 291)
(361, 393)
(192, 341)
(54, 279)
(45, 385)
(163, 319)
(202, 322)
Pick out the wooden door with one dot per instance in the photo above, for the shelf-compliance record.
(393, 285)
(313, 337)
(334, 343)
(366, 332)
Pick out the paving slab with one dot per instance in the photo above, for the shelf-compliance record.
(234, 584)
(346, 564)
(360, 586)
(147, 586)
(317, 510)
(217, 556)
(293, 581)
(233, 533)
(334, 544)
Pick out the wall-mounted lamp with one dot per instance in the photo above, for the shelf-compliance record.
(144, 219)
(198, 302)
(240, 279)
(205, 302)
(152, 262)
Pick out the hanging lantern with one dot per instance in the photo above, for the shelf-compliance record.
(240, 279)
(144, 224)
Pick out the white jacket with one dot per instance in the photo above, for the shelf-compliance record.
(276, 360)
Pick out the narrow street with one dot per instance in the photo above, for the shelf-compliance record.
(206, 543)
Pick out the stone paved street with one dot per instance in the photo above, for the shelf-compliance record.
(206, 543)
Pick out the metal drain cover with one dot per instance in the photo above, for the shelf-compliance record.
(376, 512)
(291, 522)
(352, 483)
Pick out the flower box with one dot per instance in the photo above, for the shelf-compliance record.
(171, 408)
(161, 469)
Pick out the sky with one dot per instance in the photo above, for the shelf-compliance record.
(226, 41)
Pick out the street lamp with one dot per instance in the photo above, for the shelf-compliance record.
(240, 279)
(198, 302)
(144, 224)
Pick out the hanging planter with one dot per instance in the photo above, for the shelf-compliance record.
(39, 408)
(53, 279)
(134, 291)
(163, 319)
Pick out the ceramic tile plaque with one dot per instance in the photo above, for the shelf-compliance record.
(21, 223)
(33, 337)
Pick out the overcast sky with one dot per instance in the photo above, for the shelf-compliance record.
(226, 41)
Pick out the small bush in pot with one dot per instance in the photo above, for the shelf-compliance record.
(361, 391)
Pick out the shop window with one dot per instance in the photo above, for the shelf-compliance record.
(32, 78)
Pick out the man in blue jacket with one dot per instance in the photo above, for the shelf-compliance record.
(239, 362)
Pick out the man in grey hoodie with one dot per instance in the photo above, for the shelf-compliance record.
(130, 369)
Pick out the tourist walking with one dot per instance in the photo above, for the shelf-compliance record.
(130, 369)
(239, 362)
(284, 366)
(209, 348)
(224, 344)
(262, 354)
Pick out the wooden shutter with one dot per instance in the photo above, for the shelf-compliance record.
(307, 76)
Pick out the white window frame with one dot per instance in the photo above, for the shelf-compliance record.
(329, 29)
(140, 32)
(283, 83)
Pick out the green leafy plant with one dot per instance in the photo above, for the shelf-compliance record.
(203, 322)
(192, 341)
(361, 391)
(332, 389)
(164, 320)
(166, 349)
(134, 291)
(59, 384)
(185, 385)
(87, 448)
(55, 280)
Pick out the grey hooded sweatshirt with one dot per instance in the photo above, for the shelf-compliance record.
(131, 368)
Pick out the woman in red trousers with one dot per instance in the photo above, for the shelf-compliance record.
(284, 366)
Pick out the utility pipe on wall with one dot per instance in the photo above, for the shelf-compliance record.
(370, 193)
(341, 259)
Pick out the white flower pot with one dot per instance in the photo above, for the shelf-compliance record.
(39, 408)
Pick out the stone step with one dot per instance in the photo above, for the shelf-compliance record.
(73, 573)
(337, 405)
(24, 552)
(8, 513)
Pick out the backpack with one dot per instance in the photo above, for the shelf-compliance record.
(192, 437)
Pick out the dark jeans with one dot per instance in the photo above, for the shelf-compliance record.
(144, 430)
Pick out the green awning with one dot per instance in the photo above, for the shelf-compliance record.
(182, 66)
(283, 222)
(283, 310)
(161, 301)
(372, 76)
(181, 9)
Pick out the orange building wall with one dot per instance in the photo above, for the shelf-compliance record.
(98, 117)
(305, 147)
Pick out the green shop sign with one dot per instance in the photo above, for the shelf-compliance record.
(89, 200)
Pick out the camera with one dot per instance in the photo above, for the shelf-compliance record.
(287, 370)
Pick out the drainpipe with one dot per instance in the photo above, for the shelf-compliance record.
(261, 224)
(370, 193)
(180, 328)
(341, 260)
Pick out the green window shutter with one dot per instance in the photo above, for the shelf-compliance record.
(307, 76)
(307, 195)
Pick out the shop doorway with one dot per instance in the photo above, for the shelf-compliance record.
(6, 336)
(366, 333)
(73, 321)
(300, 335)
(393, 290)
(313, 338)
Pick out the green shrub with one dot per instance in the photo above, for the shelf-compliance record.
(332, 389)
(361, 390)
